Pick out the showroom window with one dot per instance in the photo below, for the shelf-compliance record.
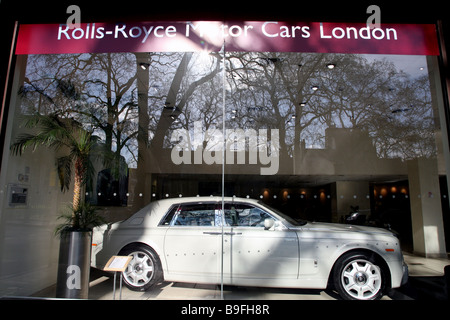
(350, 131)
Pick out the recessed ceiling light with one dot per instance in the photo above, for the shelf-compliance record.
(331, 66)
(315, 88)
(144, 66)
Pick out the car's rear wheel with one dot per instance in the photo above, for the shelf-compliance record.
(359, 276)
(144, 269)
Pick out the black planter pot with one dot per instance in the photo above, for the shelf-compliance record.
(74, 265)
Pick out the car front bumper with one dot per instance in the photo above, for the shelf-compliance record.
(405, 274)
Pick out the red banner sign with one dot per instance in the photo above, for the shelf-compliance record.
(407, 39)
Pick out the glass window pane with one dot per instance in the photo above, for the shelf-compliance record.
(242, 215)
(334, 137)
(195, 215)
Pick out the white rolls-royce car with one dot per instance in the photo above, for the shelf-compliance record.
(181, 240)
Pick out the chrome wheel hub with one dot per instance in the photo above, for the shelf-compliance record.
(360, 278)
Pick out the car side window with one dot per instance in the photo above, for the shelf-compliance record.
(195, 215)
(169, 216)
(243, 215)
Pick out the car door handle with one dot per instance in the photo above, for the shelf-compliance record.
(225, 233)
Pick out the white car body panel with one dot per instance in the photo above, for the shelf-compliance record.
(284, 256)
(191, 252)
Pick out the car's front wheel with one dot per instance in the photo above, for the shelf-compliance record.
(358, 276)
(144, 269)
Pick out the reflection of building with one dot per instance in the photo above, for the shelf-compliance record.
(347, 152)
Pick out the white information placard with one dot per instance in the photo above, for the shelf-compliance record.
(117, 263)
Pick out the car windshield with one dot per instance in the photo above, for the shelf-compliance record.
(290, 220)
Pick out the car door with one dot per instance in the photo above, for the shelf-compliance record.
(192, 243)
(255, 253)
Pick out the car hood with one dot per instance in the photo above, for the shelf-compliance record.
(336, 227)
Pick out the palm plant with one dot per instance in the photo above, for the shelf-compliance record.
(76, 144)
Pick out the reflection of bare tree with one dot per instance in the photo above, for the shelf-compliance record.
(113, 92)
(274, 90)
(96, 89)
(184, 84)
(135, 101)
(130, 100)
(303, 94)
(407, 129)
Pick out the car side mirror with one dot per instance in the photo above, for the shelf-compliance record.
(268, 223)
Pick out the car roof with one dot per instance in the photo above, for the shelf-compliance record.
(205, 199)
(155, 210)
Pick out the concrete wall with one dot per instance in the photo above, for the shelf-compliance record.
(426, 211)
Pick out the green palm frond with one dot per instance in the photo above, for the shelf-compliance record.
(58, 133)
(86, 216)
(52, 133)
(64, 169)
(78, 147)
